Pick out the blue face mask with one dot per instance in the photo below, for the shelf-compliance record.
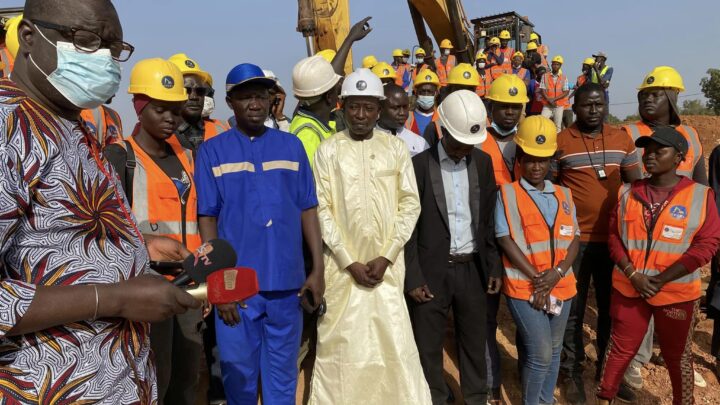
(501, 132)
(426, 102)
(87, 80)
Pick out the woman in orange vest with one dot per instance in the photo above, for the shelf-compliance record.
(664, 229)
(158, 179)
(537, 229)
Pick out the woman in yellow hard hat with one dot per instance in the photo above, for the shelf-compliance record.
(537, 230)
(158, 180)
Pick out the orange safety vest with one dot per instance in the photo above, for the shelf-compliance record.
(695, 149)
(486, 80)
(412, 125)
(499, 70)
(400, 70)
(521, 73)
(582, 79)
(104, 124)
(214, 128)
(156, 203)
(503, 175)
(543, 245)
(443, 70)
(507, 57)
(415, 72)
(8, 60)
(543, 50)
(652, 251)
(554, 88)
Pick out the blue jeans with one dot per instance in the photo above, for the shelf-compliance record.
(542, 338)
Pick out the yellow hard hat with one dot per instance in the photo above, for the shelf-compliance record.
(464, 75)
(508, 89)
(589, 61)
(445, 43)
(420, 51)
(406, 52)
(426, 76)
(158, 79)
(520, 54)
(494, 41)
(534, 37)
(369, 61)
(559, 59)
(11, 37)
(397, 52)
(505, 34)
(327, 54)
(663, 77)
(188, 66)
(532, 46)
(480, 55)
(383, 70)
(537, 136)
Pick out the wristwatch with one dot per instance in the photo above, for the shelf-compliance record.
(559, 270)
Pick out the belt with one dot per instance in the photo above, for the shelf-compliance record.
(458, 259)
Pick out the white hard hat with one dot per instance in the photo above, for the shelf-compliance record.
(271, 75)
(313, 76)
(463, 114)
(362, 82)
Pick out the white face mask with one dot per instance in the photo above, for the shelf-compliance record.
(446, 52)
(481, 65)
(208, 107)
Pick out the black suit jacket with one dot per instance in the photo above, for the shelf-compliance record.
(426, 254)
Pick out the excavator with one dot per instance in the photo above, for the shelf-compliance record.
(325, 23)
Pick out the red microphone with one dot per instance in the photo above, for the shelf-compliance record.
(227, 286)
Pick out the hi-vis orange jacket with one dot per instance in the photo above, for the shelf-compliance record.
(105, 125)
(502, 174)
(444, 70)
(544, 246)
(554, 88)
(652, 251)
(486, 80)
(695, 149)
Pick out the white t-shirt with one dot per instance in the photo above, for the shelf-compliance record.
(414, 142)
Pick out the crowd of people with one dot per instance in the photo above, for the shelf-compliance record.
(395, 200)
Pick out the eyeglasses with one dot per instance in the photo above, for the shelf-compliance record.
(89, 41)
(200, 91)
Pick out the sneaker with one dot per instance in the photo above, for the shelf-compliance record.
(699, 380)
(626, 394)
(633, 376)
(574, 390)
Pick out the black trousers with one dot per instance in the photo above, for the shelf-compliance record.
(464, 293)
(712, 312)
(592, 263)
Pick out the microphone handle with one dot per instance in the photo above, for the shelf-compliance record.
(183, 279)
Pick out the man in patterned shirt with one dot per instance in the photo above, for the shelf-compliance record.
(74, 296)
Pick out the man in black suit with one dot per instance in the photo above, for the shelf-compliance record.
(452, 253)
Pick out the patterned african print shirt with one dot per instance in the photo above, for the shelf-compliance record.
(64, 221)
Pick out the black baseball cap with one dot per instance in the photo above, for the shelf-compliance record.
(665, 136)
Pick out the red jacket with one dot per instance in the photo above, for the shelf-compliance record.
(704, 244)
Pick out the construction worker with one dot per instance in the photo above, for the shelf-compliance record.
(658, 252)
(277, 118)
(195, 129)
(518, 69)
(369, 61)
(394, 112)
(535, 105)
(485, 76)
(426, 87)
(315, 87)
(385, 72)
(445, 62)
(496, 59)
(555, 90)
(585, 75)
(542, 49)
(402, 68)
(9, 45)
(504, 52)
(602, 73)
(533, 59)
(447, 265)
(657, 98)
(420, 64)
(537, 230)
(157, 177)
(462, 77)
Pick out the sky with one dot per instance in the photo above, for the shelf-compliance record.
(219, 34)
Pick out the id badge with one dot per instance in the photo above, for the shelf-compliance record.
(601, 173)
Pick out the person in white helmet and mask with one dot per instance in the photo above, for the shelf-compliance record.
(368, 206)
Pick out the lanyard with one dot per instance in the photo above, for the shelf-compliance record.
(602, 138)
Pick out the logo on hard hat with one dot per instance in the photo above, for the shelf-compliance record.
(513, 91)
(466, 75)
(386, 72)
(189, 63)
(474, 129)
(540, 139)
(650, 80)
(361, 85)
(428, 77)
(168, 82)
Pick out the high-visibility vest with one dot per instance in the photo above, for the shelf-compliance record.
(507, 57)
(8, 60)
(595, 78)
(695, 149)
(503, 175)
(543, 245)
(311, 132)
(417, 71)
(554, 88)
(156, 202)
(104, 124)
(485, 82)
(411, 124)
(443, 70)
(214, 128)
(499, 70)
(652, 252)
(403, 73)
(582, 79)
(521, 73)
(543, 50)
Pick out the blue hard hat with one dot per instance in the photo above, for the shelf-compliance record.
(246, 73)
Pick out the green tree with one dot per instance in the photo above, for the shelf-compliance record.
(632, 118)
(711, 89)
(613, 119)
(694, 107)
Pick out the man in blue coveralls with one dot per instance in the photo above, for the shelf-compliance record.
(255, 189)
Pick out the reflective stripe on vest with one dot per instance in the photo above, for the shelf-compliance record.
(156, 203)
(8, 60)
(497, 71)
(693, 156)
(105, 125)
(674, 230)
(500, 169)
(521, 73)
(595, 78)
(554, 89)
(543, 246)
(485, 82)
(213, 128)
(507, 57)
(443, 70)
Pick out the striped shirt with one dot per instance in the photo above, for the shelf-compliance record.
(576, 166)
